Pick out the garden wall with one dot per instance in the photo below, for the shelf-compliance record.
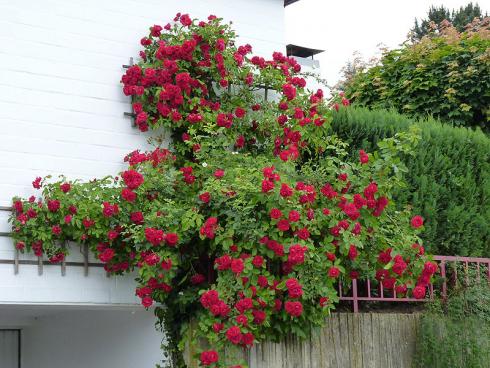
(363, 340)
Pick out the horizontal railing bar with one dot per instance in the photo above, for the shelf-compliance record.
(47, 263)
(379, 299)
(6, 208)
(461, 259)
(5, 234)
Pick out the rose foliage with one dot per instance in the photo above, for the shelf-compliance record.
(247, 221)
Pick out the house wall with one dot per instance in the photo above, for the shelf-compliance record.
(61, 108)
(80, 338)
(61, 104)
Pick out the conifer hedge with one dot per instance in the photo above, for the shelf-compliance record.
(448, 177)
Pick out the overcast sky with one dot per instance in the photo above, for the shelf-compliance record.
(341, 27)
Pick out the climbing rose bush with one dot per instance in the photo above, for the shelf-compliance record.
(243, 223)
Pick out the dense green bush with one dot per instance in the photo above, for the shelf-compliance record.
(446, 75)
(448, 178)
(456, 333)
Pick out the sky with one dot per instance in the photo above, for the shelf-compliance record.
(342, 27)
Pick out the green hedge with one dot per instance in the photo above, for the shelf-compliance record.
(448, 178)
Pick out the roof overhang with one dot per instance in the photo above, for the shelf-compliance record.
(289, 2)
(300, 51)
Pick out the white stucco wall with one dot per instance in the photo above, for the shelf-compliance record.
(81, 338)
(61, 108)
(61, 105)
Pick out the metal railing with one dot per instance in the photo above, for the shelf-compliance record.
(363, 290)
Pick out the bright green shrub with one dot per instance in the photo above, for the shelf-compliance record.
(456, 333)
(445, 75)
(448, 178)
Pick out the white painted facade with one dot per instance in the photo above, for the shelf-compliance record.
(61, 112)
(61, 336)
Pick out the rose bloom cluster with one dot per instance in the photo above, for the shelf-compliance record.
(250, 244)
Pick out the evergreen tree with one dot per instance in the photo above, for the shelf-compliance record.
(465, 15)
(459, 18)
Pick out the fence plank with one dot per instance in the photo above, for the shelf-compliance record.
(361, 340)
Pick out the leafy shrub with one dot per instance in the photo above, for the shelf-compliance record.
(457, 333)
(445, 75)
(448, 177)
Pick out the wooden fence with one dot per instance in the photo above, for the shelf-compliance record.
(360, 340)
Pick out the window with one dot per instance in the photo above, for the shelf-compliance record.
(10, 348)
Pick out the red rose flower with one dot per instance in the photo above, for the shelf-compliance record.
(137, 218)
(171, 239)
(385, 256)
(56, 229)
(208, 357)
(109, 210)
(296, 254)
(147, 301)
(267, 186)
(333, 272)
(283, 225)
(294, 309)
(323, 301)
(262, 281)
(154, 236)
(106, 255)
(275, 213)
(218, 174)
(209, 298)
(209, 228)
(37, 183)
(244, 305)
(128, 195)
(185, 20)
(418, 292)
(112, 234)
(248, 339)
(132, 179)
(289, 91)
(258, 261)
(401, 289)
(234, 335)
(205, 197)
(53, 205)
(217, 327)
(363, 157)
(303, 233)
(294, 216)
(237, 266)
(286, 191)
(295, 289)
(239, 112)
(197, 279)
(65, 187)
(417, 221)
(352, 252)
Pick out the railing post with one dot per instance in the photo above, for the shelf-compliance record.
(16, 262)
(355, 301)
(488, 272)
(444, 283)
